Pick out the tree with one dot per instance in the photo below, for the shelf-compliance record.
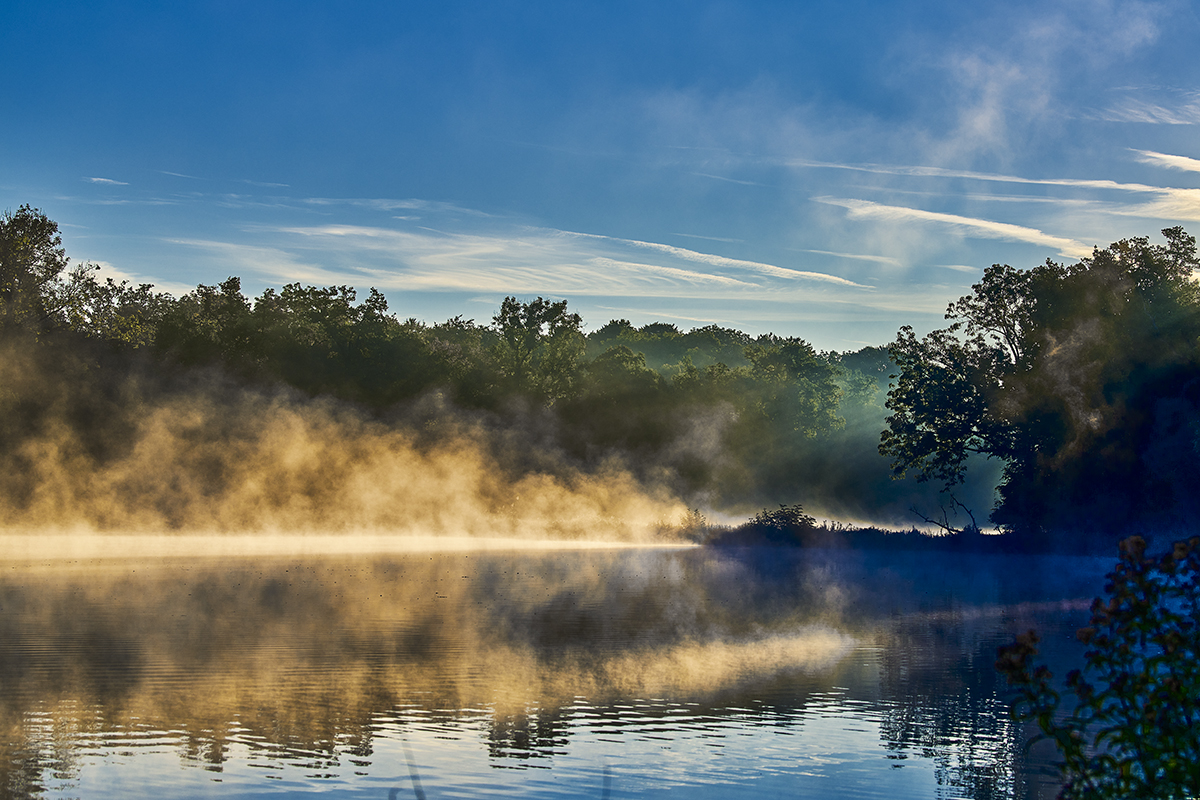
(797, 386)
(540, 347)
(1076, 376)
(319, 340)
(940, 402)
(212, 324)
(463, 354)
(619, 376)
(110, 311)
(31, 259)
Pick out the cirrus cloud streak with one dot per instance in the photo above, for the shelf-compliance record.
(520, 261)
(977, 227)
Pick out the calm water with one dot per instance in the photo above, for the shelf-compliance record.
(546, 675)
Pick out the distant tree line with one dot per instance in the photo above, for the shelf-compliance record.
(1083, 380)
(711, 409)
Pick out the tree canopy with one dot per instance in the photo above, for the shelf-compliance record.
(1084, 379)
(540, 346)
(31, 259)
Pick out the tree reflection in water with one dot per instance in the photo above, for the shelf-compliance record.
(306, 664)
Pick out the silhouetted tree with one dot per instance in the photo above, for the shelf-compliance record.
(1084, 379)
(117, 313)
(213, 324)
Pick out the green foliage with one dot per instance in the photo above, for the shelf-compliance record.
(786, 526)
(320, 340)
(31, 260)
(874, 362)
(863, 376)
(621, 405)
(118, 313)
(212, 324)
(798, 386)
(667, 349)
(462, 362)
(786, 518)
(1080, 378)
(1132, 730)
(540, 347)
(619, 377)
(940, 402)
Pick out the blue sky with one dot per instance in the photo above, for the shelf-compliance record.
(825, 170)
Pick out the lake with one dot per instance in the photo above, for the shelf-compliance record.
(592, 673)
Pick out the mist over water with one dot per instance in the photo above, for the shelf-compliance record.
(676, 668)
(137, 446)
(207, 581)
(202, 454)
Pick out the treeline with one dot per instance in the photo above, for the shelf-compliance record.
(719, 408)
(1080, 382)
(722, 418)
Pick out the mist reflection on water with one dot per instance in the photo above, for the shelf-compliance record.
(626, 672)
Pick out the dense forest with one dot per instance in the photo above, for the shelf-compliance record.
(1082, 382)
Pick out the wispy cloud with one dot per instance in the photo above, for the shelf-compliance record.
(1177, 205)
(1141, 109)
(1168, 161)
(1166, 202)
(893, 262)
(386, 204)
(179, 175)
(939, 172)
(275, 262)
(727, 180)
(672, 273)
(708, 238)
(516, 261)
(722, 261)
(106, 181)
(985, 228)
(115, 201)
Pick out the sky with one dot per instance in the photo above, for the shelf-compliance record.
(824, 170)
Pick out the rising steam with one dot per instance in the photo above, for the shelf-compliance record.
(205, 455)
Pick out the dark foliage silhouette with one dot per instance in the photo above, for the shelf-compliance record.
(1129, 727)
(1084, 380)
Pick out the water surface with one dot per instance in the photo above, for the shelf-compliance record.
(592, 673)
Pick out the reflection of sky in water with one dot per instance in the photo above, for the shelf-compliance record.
(832, 752)
(525, 675)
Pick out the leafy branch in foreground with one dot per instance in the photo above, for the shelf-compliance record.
(1134, 730)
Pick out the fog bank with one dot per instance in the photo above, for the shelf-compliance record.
(152, 453)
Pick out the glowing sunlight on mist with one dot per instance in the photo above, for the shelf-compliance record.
(213, 458)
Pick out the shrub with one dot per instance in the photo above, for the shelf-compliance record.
(789, 519)
(1134, 728)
